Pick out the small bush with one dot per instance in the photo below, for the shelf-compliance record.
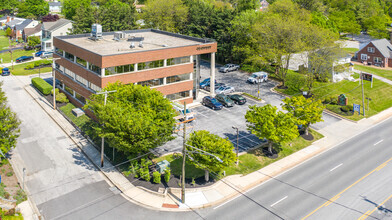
(167, 175)
(20, 196)
(350, 107)
(41, 85)
(29, 66)
(334, 101)
(10, 174)
(327, 100)
(156, 177)
(344, 109)
(7, 195)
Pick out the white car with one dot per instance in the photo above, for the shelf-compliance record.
(224, 90)
(258, 77)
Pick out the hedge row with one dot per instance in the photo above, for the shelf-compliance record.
(38, 63)
(42, 85)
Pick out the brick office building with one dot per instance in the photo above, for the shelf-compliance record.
(167, 62)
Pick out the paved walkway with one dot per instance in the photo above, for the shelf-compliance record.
(224, 189)
(377, 77)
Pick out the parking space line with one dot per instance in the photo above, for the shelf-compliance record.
(279, 201)
(202, 114)
(251, 140)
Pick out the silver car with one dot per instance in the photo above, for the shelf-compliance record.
(225, 90)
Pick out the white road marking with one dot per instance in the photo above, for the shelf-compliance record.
(379, 142)
(279, 201)
(202, 114)
(335, 167)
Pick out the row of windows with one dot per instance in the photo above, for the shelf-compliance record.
(74, 94)
(169, 79)
(376, 59)
(178, 95)
(78, 78)
(119, 69)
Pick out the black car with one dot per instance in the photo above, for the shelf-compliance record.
(5, 72)
(24, 58)
(212, 103)
(238, 99)
(225, 100)
(217, 85)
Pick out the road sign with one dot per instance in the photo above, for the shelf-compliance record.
(357, 108)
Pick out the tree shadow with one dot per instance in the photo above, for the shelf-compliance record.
(81, 159)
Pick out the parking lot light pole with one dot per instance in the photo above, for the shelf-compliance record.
(238, 134)
(54, 81)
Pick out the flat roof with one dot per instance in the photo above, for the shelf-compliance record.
(153, 40)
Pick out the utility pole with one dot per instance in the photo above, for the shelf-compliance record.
(54, 81)
(238, 133)
(12, 61)
(103, 138)
(258, 89)
(363, 96)
(183, 160)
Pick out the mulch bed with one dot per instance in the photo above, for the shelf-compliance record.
(266, 152)
(174, 182)
(308, 137)
(49, 98)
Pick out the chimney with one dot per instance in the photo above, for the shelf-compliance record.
(8, 19)
(12, 18)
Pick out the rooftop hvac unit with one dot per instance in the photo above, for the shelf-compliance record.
(118, 35)
(96, 31)
(132, 45)
(141, 44)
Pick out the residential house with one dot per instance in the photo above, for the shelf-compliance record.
(13, 21)
(51, 29)
(54, 7)
(17, 31)
(35, 31)
(376, 52)
(3, 20)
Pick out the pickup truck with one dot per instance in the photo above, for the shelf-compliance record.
(229, 67)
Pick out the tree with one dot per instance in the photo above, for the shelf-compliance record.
(70, 7)
(165, 15)
(8, 32)
(266, 122)
(345, 21)
(50, 17)
(212, 144)
(9, 124)
(33, 8)
(117, 16)
(33, 41)
(84, 18)
(135, 118)
(307, 111)
(9, 5)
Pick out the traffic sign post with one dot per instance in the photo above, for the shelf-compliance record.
(357, 108)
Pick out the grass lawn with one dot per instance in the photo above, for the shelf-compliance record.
(20, 71)
(254, 160)
(176, 167)
(350, 50)
(79, 121)
(15, 54)
(4, 42)
(376, 71)
(380, 94)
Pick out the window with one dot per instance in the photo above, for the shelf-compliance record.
(377, 59)
(363, 57)
(48, 45)
(370, 49)
(178, 95)
(69, 56)
(150, 65)
(81, 61)
(69, 73)
(81, 80)
(119, 69)
(95, 68)
(80, 98)
(94, 87)
(58, 51)
(151, 83)
(178, 60)
(68, 89)
(178, 78)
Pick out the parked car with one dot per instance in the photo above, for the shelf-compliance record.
(212, 103)
(238, 99)
(46, 54)
(38, 54)
(229, 67)
(258, 77)
(24, 58)
(225, 100)
(217, 85)
(189, 114)
(5, 71)
(224, 90)
(205, 83)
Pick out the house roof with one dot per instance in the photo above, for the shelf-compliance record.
(31, 31)
(54, 4)
(384, 46)
(51, 26)
(4, 17)
(24, 24)
(14, 22)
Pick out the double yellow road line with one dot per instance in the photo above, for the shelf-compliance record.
(327, 203)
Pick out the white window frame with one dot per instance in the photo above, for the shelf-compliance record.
(371, 49)
(376, 60)
(364, 56)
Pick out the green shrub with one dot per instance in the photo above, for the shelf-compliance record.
(167, 175)
(56, 90)
(156, 177)
(42, 85)
(9, 174)
(327, 100)
(61, 97)
(20, 196)
(334, 101)
(144, 173)
(344, 109)
(29, 66)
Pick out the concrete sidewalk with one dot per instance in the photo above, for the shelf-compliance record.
(224, 189)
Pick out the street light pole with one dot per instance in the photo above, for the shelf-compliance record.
(54, 80)
(258, 89)
(24, 173)
(238, 133)
(183, 159)
(103, 138)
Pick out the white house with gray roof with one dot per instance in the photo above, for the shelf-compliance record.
(55, 7)
(377, 52)
(60, 27)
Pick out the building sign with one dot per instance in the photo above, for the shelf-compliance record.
(342, 99)
(203, 48)
(367, 76)
(357, 108)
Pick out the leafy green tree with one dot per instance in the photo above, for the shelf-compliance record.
(165, 15)
(243, 5)
(307, 111)
(9, 125)
(84, 18)
(345, 21)
(9, 5)
(311, 5)
(117, 16)
(33, 8)
(8, 32)
(275, 126)
(70, 7)
(214, 145)
(33, 41)
(135, 118)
